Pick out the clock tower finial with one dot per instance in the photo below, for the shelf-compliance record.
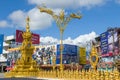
(27, 24)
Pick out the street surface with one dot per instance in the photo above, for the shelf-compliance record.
(1, 75)
(2, 78)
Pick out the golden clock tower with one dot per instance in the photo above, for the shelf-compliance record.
(25, 66)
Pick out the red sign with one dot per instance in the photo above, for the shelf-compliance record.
(35, 38)
(108, 54)
(19, 38)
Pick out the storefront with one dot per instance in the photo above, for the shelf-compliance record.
(3, 66)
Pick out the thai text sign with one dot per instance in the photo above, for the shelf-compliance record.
(104, 42)
(19, 38)
(67, 49)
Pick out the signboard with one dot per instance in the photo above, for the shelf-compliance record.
(112, 37)
(82, 54)
(69, 54)
(113, 43)
(19, 38)
(35, 38)
(68, 49)
(104, 42)
(109, 43)
(1, 43)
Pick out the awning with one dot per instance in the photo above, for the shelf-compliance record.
(9, 68)
(107, 54)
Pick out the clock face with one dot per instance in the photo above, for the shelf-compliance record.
(28, 45)
(93, 58)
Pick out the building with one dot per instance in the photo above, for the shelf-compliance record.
(108, 48)
(4, 55)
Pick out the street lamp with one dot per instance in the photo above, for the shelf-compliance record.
(61, 22)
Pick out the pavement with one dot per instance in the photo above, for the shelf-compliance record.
(1, 75)
(3, 78)
(19, 79)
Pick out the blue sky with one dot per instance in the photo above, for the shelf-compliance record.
(97, 16)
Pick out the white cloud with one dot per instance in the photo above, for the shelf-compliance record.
(53, 3)
(41, 20)
(80, 40)
(91, 3)
(48, 40)
(38, 20)
(18, 18)
(3, 23)
(118, 1)
(68, 41)
(68, 3)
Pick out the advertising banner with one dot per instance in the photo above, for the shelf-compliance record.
(19, 38)
(113, 43)
(104, 42)
(68, 49)
(1, 43)
(69, 54)
(82, 54)
(35, 38)
(112, 37)
(109, 43)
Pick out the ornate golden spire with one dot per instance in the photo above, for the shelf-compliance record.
(27, 24)
(93, 57)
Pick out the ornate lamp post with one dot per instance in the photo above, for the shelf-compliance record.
(61, 22)
(54, 61)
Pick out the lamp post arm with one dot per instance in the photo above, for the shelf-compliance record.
(73, 15)
(48, 11)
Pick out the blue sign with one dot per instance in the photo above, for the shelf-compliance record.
(69, 54)
(104, 42)
(1, 43)
(57, 61)
(67, 49)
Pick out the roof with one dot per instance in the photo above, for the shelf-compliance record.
(2, 58)
(4, 51)
(5, 44)
(12, 37)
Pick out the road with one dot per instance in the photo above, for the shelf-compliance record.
(1, 75)
(3, 78)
